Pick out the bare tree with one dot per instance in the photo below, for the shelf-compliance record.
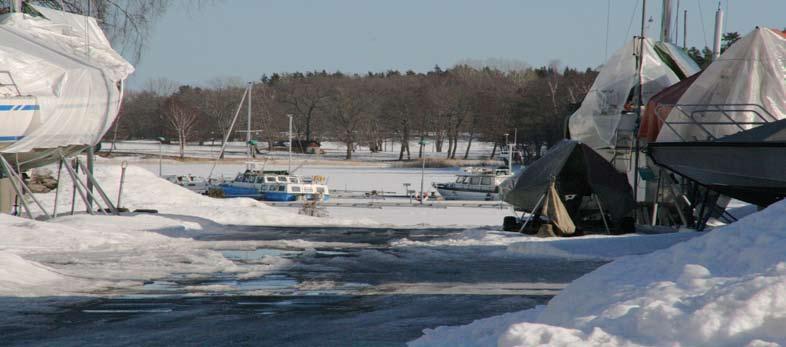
(348, 111)
(181, 119)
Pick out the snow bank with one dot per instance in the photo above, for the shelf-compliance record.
(143, 189)
(599, 246)
(592, 246)
(482, 332)
(726, 288)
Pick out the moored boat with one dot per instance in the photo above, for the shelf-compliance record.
(275, 185)
(474, 183)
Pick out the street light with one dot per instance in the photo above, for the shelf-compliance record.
(422, 143)
(406, 191)
(161, 141)
(510, 155)
(289, 144)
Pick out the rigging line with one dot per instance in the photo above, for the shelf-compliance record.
(608, 16)
(630, 24)
(701, 17)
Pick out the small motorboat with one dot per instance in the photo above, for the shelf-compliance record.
(193, 183)
(474, 183)
(275, 185)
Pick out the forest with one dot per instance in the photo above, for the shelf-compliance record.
(373, 109)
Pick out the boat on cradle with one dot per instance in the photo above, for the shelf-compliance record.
(729, 141)
(193, 183)
(474, 183)
(275, 186)
(61, 85)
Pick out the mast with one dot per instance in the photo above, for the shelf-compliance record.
(685, 30)
(665, 22)
(248, 125)
(640, 94)
(716, 45)
(16, 6)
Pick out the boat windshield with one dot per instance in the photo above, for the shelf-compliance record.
(282, 179)
(292, 179)
(260, 179)
(270, 179)
(474, 180)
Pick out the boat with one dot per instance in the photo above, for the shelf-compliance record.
(61, 85)
(193, 183)
(727, 131)
(275, 185)
(474, 183)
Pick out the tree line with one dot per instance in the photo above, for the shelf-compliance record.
(444, 106)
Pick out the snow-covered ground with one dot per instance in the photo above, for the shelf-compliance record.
(725, 288)
(333, 150)
(720, 288)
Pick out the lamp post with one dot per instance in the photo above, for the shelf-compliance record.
(161, 140)
(510, 155)
(422, 144)
(289, 144)
(406, 191)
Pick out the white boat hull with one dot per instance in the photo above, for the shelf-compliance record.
(16, 117)
(451, 194)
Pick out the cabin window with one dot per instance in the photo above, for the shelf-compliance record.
(474, 180)
(308, 189)
(282, 188)
(282, 179)
(270, 179)
(260, 179)
(486, 181)
(295, 189)
(320, 190)
(293, 180)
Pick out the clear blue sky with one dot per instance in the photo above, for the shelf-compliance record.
(248, 38)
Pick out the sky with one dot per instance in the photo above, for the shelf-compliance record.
(244, 39)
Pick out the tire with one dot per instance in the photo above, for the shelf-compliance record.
(510, 223)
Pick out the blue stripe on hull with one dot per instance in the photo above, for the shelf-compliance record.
(279, 196)
(11, 138)
(236, 192)
(5, 108)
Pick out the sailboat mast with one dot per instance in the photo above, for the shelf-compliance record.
(640, 102)
(665, 22)
(716, 44)
(248, 123)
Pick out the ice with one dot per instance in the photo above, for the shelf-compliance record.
(69, 257)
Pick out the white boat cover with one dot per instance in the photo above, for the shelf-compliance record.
(66, 63)
(597, 121)
(751, 73)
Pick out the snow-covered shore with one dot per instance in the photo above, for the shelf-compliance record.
(725, 288)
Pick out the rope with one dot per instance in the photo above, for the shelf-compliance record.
(608, 16)
(630, 24)
(701, 17)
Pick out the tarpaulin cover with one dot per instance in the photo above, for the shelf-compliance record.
(554, 209)
(596, 122)
(67, 65)
(750, 72)
(659, 107)
(577, 171)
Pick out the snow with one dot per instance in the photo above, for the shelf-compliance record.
(144, 190)
(725, 288)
